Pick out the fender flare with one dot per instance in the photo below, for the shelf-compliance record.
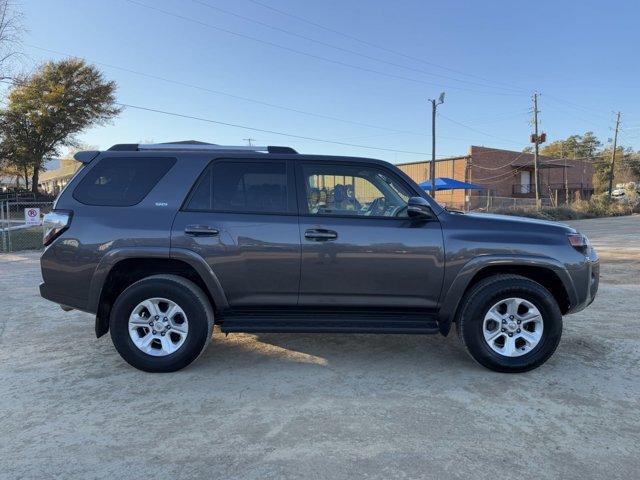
(117, 255)
(207, 274)
(451, 299)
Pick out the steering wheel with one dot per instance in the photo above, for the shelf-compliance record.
(378, 207)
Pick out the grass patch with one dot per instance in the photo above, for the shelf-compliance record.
(598, 206)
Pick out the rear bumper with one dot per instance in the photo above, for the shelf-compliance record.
(67, 303)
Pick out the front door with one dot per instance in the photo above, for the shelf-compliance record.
(525, 181)
(242, 219)
(359, 247)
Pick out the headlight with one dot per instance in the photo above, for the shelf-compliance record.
(579, 242)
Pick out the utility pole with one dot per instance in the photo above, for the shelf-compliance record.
(432, 169)
(535, 150)
(249, 140)
(613, 154)
(566, 177)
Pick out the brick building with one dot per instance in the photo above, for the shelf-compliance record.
(506, 174)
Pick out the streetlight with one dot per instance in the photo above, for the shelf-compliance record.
(432, 174)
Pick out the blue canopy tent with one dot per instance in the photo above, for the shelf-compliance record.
(444, 183)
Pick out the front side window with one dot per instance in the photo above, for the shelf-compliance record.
(121, 181)
(248, 187)
(351, 190)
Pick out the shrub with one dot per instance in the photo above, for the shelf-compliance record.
(598, 206)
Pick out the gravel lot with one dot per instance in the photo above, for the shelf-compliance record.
(323, 406)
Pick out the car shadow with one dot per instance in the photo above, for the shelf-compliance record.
(389, 351)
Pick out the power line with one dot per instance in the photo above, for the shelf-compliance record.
(240, 97)
(565, 112)
(499, 117)
(343, 49)
(245, 127)
(576, 106)
(500, 166)
(262, 130)
(231, 95)
(478, 131)
(307, 54)
(502, 176)
(380, 47)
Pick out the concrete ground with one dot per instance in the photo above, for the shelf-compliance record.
(323, 406)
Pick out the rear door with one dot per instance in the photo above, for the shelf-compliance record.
(359, 248)
(241, 217)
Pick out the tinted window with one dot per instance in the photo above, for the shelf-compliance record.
(349, 190)
(121, 181)
(242, 187)
(202, 197)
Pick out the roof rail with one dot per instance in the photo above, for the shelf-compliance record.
(197, 146)
(194, 145)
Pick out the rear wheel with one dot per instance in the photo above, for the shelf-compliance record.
(509, 323)
(161, 323)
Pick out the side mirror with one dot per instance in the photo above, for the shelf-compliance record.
(418, 208)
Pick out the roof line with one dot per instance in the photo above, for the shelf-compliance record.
(460, 157)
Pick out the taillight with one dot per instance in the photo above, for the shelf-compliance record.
(579, 242)
(55, 222)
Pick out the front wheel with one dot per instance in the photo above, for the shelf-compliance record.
(161, 323)
(509, 323)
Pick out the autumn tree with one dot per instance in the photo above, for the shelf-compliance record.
(47, 109)
(578, 146)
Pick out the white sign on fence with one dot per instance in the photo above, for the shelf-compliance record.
(32, 216)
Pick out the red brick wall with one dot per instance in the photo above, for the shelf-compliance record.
(499, 170)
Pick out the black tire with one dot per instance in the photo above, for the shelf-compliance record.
(188, 296)
(486, 293)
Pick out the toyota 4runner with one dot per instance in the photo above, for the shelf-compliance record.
(163, 241)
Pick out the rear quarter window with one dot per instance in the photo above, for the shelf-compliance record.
(121, 181)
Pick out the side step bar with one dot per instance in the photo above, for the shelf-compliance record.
(328, 322)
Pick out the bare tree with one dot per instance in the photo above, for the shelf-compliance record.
(11, 29)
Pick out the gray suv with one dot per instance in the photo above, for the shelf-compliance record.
(163, 241)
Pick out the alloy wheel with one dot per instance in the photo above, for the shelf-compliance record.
(513, 327)
(158, 326)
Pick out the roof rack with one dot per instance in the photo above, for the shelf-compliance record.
(192, 145)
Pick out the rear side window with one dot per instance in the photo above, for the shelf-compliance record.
(248, 187)
(121, 181)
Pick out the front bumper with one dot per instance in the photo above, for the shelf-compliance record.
(586, 280)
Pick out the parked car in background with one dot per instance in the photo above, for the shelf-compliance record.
(162, 241)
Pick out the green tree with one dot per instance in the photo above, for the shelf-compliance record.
(13, 161)
(578, 146)
(48, 108)
(631, 165)
(627, 168)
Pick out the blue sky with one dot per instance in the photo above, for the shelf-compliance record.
(580, 55)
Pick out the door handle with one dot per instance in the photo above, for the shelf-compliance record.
(200, 231)
(320, 234)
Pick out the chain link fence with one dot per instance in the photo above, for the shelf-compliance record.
(21, 224)
(502, 204)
